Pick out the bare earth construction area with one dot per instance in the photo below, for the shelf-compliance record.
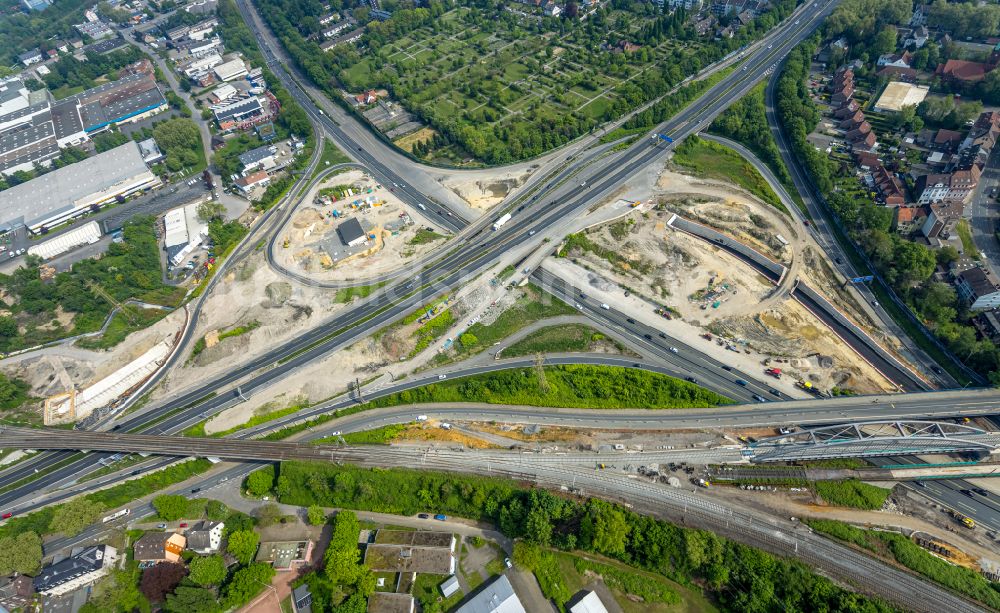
(350, 227)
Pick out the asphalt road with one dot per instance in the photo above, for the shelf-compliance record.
(823, 233)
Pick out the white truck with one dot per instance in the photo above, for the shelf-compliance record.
(500, 222)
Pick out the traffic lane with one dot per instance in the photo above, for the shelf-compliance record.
(948, 493)
(717, 107)
(713, 374)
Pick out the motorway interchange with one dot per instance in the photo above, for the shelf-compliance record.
(564, 192)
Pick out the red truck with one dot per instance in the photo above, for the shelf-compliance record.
(774, 372)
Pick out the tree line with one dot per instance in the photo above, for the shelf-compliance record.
(906, 265)
(740, 578)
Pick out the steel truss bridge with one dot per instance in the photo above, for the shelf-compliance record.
(872, 439)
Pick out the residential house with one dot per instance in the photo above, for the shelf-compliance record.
(946, 140)
(866, 160)
(159, 547)
(858, 133)
(897, 60)
(954, 187)
(917, 38)
(890, 188)
(365, 98)
(16, 592)
(248, 183)
(963, 71)
(33, 56)
(843, 77)
(906, 75)
(852, 122)
(847, 109)
(941, 219)
(979, 288)
(907, 219)
(553, 10)
(205, 537)
(36, 5)
(82, 568)
(866, 142)
(705, 25)
(624, 46)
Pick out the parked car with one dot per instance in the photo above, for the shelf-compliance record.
(508, 563)
(423, 516)
(440, 517)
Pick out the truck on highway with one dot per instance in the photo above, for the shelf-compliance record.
(500, 222)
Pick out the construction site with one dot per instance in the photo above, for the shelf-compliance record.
(349, 227)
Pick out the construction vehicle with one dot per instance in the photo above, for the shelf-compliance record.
(774, 372)
(809, 387)
(966, 521)
(703, 483)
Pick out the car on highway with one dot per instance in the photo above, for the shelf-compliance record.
(195, 490)
(7, 515)
(673, 350)
(630, 320)
(742, 382)
(692, 380)
(981, 492)
(727, 367)
(440, 517)
(759, 398)
(774, 392)
(648, 337)
(662, 335)
(442, 376)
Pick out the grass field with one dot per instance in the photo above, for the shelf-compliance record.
(541, 88)
(331, 156)
(565, 338)
(708, 159)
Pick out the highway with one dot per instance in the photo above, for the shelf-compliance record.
(457, 266)
(822, 231)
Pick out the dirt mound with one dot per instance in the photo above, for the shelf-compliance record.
(277, 293)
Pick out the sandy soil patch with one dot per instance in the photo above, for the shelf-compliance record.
(407, 142)
(483, 190)
(251, 292)
(55, 369)
(310, 244)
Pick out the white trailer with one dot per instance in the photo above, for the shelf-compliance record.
(500, 222)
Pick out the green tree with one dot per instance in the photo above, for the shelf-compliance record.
(170, 507)
(216, 510)
(207, 571)
(268, 514)
(71, 518)
(21, 554)
(188, 599)
(604, 528)
(260, 482)
(242, 545)
(468, 340)
(211, 210)
(246, 583)
(316, 515)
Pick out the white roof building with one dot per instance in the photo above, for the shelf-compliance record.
(230, 70)
(71, 191)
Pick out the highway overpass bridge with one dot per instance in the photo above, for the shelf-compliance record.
(851, 440)
(874, 439)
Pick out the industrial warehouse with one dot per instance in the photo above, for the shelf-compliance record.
(34, 127)
(73, 190)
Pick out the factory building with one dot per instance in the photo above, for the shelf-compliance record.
(73, 190)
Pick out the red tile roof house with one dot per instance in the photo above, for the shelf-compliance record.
(962, 70)
(846, 110)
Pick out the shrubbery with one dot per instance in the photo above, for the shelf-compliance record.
(853, 493)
